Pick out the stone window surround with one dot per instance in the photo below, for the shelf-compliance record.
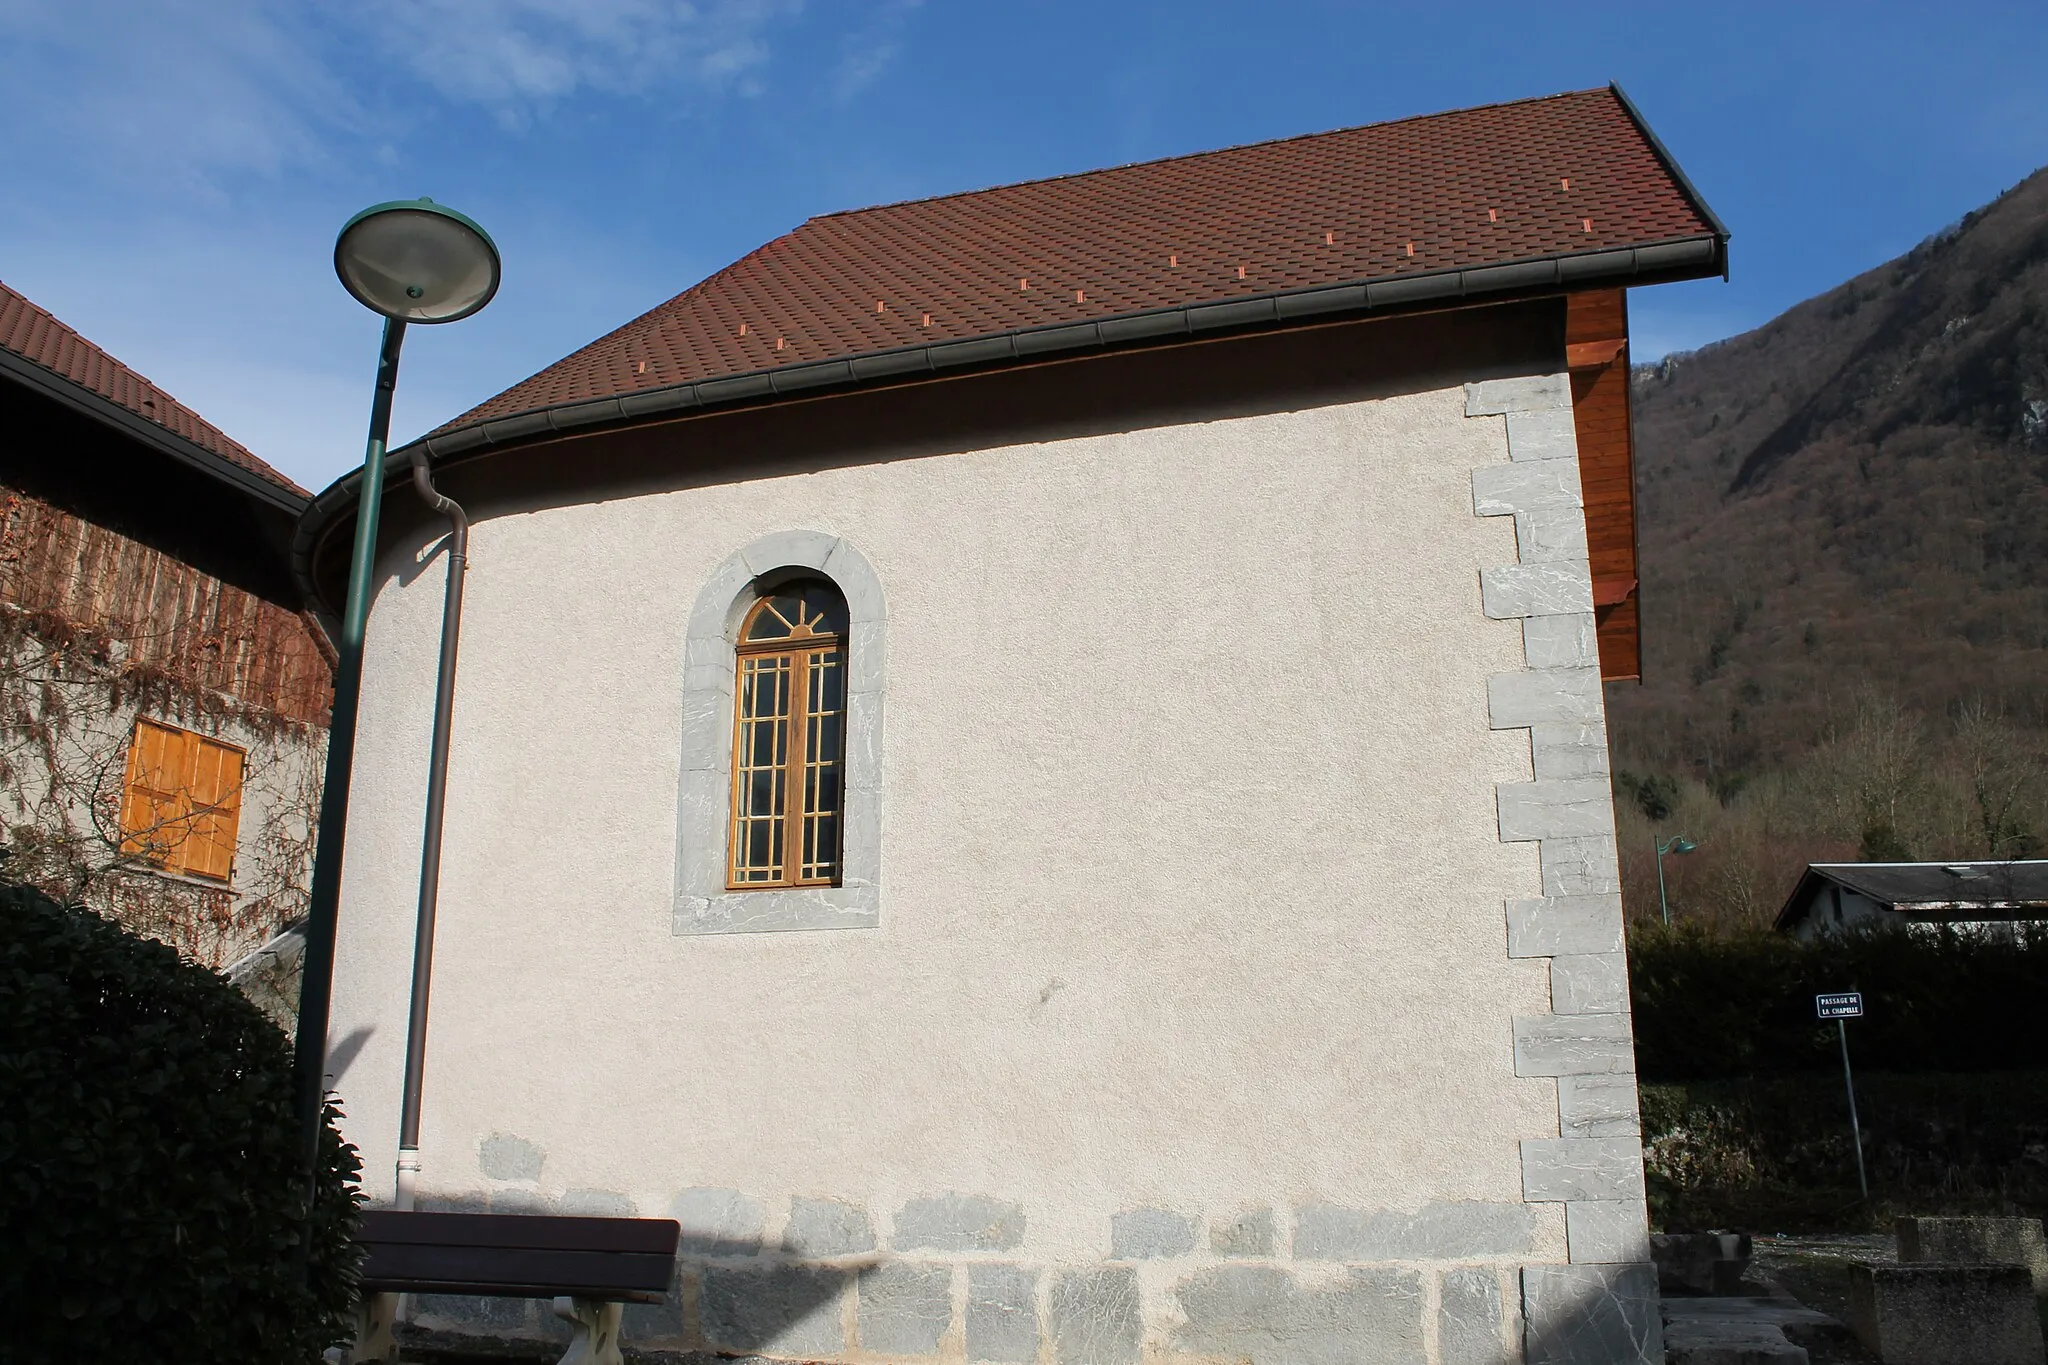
(703, 904)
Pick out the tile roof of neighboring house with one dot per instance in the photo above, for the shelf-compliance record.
(33, 334)
(1534, 180)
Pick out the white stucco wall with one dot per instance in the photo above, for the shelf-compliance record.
(1192, 876)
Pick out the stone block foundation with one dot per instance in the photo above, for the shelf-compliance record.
(1458, 1283)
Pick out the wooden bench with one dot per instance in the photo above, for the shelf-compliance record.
(590, 1267)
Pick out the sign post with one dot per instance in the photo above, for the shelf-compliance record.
(1840, 1007)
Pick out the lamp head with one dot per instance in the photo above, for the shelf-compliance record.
(1683, 845)
(416, 261)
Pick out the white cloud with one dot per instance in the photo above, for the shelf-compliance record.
(196, 97)
(513, 55)
(868, 51)
(172, 95)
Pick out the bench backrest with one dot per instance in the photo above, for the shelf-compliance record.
(518, 1255)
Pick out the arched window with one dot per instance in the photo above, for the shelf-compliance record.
(821, 597)
(789, 739)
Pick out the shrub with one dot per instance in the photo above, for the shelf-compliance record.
(155, 1192)
(1742, 1005)
(1774, 1153)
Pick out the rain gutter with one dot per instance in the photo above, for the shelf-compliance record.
(1672, 169)
(1682, 258)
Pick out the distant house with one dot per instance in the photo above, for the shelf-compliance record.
(163, 696)
(1983, 897)
(1215, 952)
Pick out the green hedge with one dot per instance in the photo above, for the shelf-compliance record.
(154, 1207)
(1708, 1006)
(1773, 1153)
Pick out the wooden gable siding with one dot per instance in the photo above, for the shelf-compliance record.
(175, 620)
(1596, 347)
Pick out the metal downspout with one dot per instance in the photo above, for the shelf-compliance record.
(430, 843)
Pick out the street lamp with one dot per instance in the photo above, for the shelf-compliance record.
(1677, 843)
(411, 261)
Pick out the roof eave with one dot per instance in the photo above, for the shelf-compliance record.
(1795, 905)
(1684, 258)
(161, 439)
(1671, 166)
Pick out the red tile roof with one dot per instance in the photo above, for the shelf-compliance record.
(1495, 185)
(35, 335)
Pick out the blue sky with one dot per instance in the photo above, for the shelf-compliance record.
(176, 169)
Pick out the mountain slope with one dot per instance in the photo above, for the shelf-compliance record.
(1854, 495)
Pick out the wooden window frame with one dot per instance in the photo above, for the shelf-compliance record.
(204, 835)
(801, 653)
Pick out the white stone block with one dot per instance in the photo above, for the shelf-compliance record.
(1567, 640)
(1607, 1231)
(1581, 1168)
(1544, 696)
(1542, 436)
(1598, 1106)
(1581, 866)
(1591, 982)
(790, 550)
(1564, 924)
(1550, 486)
(1544, 537)
(1530, 393)
(1568, 808)
(1554, 588)
(1591, 1315)
(1574, 1045)
(1569, 750)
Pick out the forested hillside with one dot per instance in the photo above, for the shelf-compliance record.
(1844, 549)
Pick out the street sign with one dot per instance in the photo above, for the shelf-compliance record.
(1840, 1006)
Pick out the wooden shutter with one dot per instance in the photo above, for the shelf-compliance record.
(182, 805)
(216, 794)
(152, 806)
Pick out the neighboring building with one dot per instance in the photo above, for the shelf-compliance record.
(1986, 897)
(1218, 953)
(163, 699)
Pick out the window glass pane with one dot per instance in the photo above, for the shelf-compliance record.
(796, 611)
(774, 619)
(824, 738)
(828, 680)
(821, 848)
(759, 843)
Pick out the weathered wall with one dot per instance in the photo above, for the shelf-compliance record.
(98, 628)
(1192, 1025)
(164, 618)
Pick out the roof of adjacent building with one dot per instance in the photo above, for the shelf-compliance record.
(1566, 176)
(61, 361)
(1929, 889)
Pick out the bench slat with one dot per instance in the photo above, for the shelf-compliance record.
(509, 1291)
(489, 1269)
(389, 1227)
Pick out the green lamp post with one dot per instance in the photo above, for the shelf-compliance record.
(411, 260)
(1677, 843)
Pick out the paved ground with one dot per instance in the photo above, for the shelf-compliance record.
(1795, 1314)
